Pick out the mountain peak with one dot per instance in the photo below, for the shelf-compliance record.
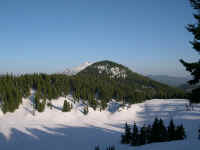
(112, 69)
(77, 69)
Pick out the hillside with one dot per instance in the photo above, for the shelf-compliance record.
(170, 80)
(54, 129)
(97, 85)
(130, 85)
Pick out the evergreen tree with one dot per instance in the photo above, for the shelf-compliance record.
(180, 133)
(125, 139)
(110, 148)
(135, 136)
(96, 148)
(171, 131)
(199, 134)
(194, 67)
(148, 134)
(85, 110)
(143, 135)
(163, 131)
(155, 132)
(66, 106)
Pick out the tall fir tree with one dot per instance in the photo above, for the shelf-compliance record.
(135, 136)
(180, 133)
(163, 131)
(143, 135)
(194, 67)
(171, 131)
(127, 134)
(155, 132)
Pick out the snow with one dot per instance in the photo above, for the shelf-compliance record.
(75, 70)
(57, 130)
(114, 71)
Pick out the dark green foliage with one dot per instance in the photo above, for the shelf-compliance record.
(194, 67)
(108, 148)
(85, 110)
(180, 133)
(155, 133)
(66, 106)
(163, 136)
(88, 85)
(135, 136)
(39, 103)
(96, 148)
(171, 131)
(126, 137)
(111, 148)
(143, 135)
(159, 131)
(148, 134)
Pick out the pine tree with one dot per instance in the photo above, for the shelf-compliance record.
(66, 106)
(143, 135)
(148, 134)
(96, 148)
(135, 136)
(163, 131)
(155, 132)
(180, 133)
(194, 67)
(85, 110)
(125, 139)
(110, 148)
(171, 131)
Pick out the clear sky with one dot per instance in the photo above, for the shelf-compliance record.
(149, 36)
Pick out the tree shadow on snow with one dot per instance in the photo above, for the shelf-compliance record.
(62, 138)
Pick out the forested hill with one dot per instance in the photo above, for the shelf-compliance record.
(96, 85)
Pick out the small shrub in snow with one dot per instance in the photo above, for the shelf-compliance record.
(85, 110)
(66, 106)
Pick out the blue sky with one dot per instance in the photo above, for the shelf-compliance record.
(49, 35)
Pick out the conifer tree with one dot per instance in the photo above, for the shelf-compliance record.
(66, 106)
(163, 131)
(194, 67)
(148, 134)
(180, 133)
(127, 135)
(85, 110)
(155, 132)
(143, 135)
(111, 148)
(171, 131)
(96, 148)
(135, 135)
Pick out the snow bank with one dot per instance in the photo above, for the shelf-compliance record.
(54, 129)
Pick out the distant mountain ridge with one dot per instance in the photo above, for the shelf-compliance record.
(170, 80)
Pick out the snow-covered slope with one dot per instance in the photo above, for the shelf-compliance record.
(56, 130)
(75, 70)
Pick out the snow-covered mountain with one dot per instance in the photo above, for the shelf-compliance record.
(75, 70)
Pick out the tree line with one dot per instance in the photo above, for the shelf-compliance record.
(157, 132)
(86, 87)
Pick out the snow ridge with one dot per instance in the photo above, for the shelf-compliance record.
(77, 69)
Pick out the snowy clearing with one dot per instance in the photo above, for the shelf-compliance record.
(57, 130)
